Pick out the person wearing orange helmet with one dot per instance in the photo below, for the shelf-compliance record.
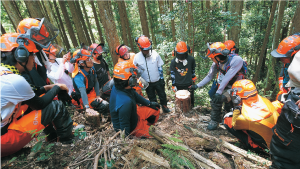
(41, 32)
(85, 83)
(100, 65)
(285, 143)
(252, 118)
(286, 50)
(60, 67)
(231, 66)
(125, 113)
(22, 110)
(150, 61)
(182, 69)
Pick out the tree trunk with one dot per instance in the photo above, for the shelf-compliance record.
(97, 22)
(182, 101)
(182, 20)
(207, 6)
(64, 39)
(109, 25)
(2, 30)
(87, 21)
(143, 17)
(122, 13)
(132, 45)
(152, 28)
(173, 23)
(34, 9)
(78, 25)
(87, 36)
(264, 45)
(60, 22)
(68, 23)
(236, 11)
(52, 20)
(43, 9)
(162, 12)
(12, 12)
(190, 23)
(296, 20)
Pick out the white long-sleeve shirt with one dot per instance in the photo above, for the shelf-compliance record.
(235, 66)
(58, 75)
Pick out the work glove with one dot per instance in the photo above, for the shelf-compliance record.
(193, 87)
(174, 88)
(237, 102)
(228, 115)
(154, 105)
(162, 82)
(217, 98)
(194, 79)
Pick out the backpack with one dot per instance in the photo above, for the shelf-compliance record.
(243, 70)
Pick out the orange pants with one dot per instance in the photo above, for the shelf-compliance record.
(142, 127)
(91, 97)
(18, 133)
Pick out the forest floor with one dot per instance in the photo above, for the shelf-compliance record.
(132, 152)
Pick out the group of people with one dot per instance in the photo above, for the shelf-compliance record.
(81, 79)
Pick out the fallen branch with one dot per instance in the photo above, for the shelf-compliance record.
(231, 147)
(164, 138)
(151, 157)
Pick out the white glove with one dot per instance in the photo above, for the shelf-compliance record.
(228, 115)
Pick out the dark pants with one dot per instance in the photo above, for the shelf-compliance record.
(187, 88)
(160, 90)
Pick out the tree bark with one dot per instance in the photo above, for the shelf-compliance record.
(296, 20)
(43, 9)
(182, 20)
(78, 25)
(68, 23)
(2, 30)
(87, 36)
(88, 21)
(207, 6)
(162, 12)
(60, 22)
(173, 23)
(236, 11)
(97, 22)
(152, 29)
(12, 12)
(264, 45)
(34, 9)
(123, 14)
(109, 25)
(182, 101)
(143, 17)
(190, 23)
(52, 20)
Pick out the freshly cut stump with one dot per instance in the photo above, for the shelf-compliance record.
(182, 101)
(93, 119)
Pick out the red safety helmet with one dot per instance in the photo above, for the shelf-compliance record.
(215, 49)
(143, 42)
(121, 50)
(96, 48)
(287, 47)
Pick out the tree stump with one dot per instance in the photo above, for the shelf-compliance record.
(182, 101)
(93, 118)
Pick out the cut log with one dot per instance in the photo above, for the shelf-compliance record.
(220, 159)
(182, 101)
(93, 118)
(164, 138)
(231, 147)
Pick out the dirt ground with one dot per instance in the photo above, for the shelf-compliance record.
(120, 152)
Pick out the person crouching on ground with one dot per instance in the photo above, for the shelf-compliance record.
(86, 84)
(125, 114)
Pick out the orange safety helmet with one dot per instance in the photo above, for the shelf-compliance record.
(244, 88)
(143, 42)
(124, 70)
(9, 43)
(54, 49)
(78, 55)
(287, 47)
(181, 47)
(230, 45)
(215, 49)
(96, 48)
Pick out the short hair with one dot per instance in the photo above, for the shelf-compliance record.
(120, 84)
(8, 58)
(222, 57)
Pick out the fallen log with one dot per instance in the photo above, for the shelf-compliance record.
(220, 160)
(164, 138)
(231, 147)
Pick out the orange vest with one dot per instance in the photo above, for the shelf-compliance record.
(259, 117)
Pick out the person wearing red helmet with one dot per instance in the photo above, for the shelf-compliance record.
(232, 68)
(252, 118)
(182, 69)
(100, 65)
(22, 110)
(285, 51)
(86, 84)
(150, 61)
(125, 113)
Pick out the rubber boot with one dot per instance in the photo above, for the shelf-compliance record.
(50, 133)
(215, 115)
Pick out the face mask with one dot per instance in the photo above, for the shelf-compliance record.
(99, 57)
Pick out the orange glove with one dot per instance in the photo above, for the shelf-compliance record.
(174, 88)
(194, 79)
